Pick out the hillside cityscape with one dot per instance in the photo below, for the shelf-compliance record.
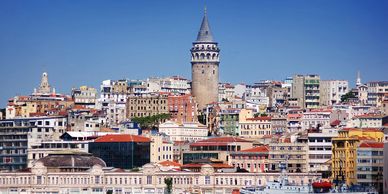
(175, 134)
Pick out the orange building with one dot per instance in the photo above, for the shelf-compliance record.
(182, 108)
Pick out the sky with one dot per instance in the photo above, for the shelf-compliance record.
(85, 42)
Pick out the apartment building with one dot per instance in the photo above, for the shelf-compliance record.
(306, 88)
(146, 105)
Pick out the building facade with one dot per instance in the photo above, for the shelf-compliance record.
(370, 164)
(294, 155)
(184, 131)
(331, 91)
(150, 180)
(182, 108)
(306, 88)
(146, 105)
(122, 151)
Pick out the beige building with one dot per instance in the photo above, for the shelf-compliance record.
(204, 66)
(94, 177)
(306, 88)
(331, 91)
(161, 149)
(146, 105)
(184, 131)
(294, 155)
(85, 96)
(253, 127)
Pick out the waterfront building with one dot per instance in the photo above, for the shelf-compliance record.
(319, 151)
(204, 66)
(89, 175)
(344, 152)
(122, 150)
(370, 164)
(18, 135)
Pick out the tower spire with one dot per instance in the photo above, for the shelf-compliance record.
(358, 81)
(205, 34)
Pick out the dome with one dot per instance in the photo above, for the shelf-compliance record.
(71, 160)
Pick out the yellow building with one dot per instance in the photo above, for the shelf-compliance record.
(344, 150)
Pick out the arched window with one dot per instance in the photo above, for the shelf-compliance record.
(208, 56)
(196, 55)
(214, 56)
(202, 56)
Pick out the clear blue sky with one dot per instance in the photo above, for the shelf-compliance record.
(85, 42)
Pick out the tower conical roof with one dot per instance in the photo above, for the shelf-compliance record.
(205, 34)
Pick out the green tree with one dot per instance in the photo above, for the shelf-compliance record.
(168, 182)
(151, 121)
(347, 96)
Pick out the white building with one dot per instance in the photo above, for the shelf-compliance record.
(149, 180)
(313, 118)
(331, 91)
(184, 131)
(319, 152)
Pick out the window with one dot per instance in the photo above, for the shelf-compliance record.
(207, 180)
(149, 180)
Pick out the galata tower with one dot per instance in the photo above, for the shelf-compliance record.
(204, 66)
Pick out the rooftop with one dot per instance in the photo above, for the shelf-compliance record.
(371, 145)
(122, 138)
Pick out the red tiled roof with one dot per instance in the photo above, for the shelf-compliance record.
(335, 123)
(257, 149)
(169, 163)
(372, 145)
(370, 116)
(258, 118)
(320, 110)
(122, 138)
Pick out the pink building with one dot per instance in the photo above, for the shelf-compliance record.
(253, 160)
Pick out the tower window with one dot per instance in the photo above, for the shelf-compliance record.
(214, 71)
(203, 71)
(207, 32)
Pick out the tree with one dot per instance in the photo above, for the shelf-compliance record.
(347, 96)
(151, 121)
(168, 182)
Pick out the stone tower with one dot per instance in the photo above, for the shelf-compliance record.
(44, 87)
(204, 66)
